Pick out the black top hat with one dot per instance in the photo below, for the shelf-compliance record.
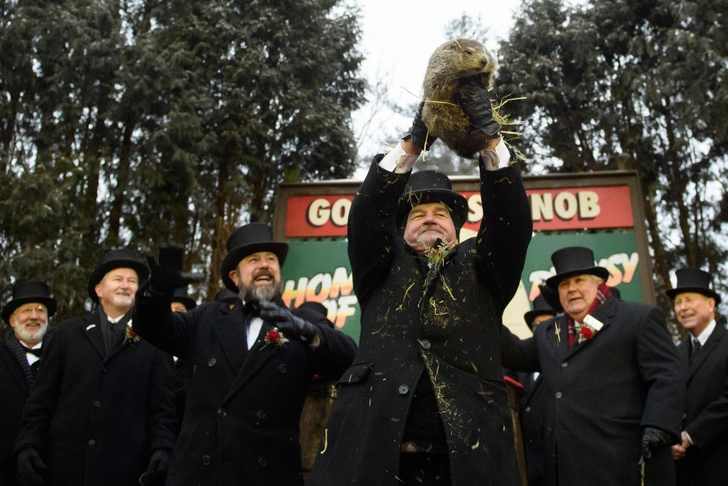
(113, 259)
(180, 295)
(246, 240)
(540, 308)
(226, 295)
(318, 308)
(431, 186)
(693, 280)
(26, 292)
(574, 260)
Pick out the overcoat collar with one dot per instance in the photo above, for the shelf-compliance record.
(558, 330)
(710, 345)
(14, 369)
(91, 328)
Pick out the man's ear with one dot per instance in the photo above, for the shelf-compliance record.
(233, 276)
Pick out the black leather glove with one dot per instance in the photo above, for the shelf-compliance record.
(156, 472)
(652, 439)
(474, 100)
(286, 322)
(30, 467)
(418, 131)
(164, 279)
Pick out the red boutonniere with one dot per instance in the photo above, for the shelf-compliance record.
(131, 336)
(275, 339)
(587, 330)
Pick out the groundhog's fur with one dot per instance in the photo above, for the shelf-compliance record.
(448, 66)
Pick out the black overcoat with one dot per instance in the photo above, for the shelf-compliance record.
(446, 325)
(602, 392)
(95, 418)
(532, 413)
(14, 391)
(243, 406)
(706, 412)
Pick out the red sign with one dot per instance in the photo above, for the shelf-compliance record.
(551, 209)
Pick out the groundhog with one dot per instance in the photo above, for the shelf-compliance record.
(448, 66)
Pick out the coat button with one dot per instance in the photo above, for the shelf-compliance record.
(564, 364)
(558, 395)
(262, 462)
(426, 344)
(261, 414)
(212, 362)
(222, 412)
(104, 369)
(205, 460)
(91, 442)
(97, 404)
(283, 368)
(403, 389)
(528, 409)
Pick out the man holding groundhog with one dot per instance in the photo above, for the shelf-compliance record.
(424, 402)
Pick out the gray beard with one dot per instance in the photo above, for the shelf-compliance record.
(255, 293)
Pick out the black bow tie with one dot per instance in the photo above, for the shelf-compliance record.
(251, 307)
(35, 351)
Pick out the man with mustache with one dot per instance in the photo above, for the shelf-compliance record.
(425, 402)
(249, 366)
(27, 313)
(102, 407)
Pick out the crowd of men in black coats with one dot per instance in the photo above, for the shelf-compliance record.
(422, 400)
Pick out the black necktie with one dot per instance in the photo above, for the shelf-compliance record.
(695, 348)
(35, 351)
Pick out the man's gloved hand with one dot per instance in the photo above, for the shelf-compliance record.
(418, 131)
(164, 279)
(652, 439)
(474, 100)
(287, 323)
(156, 473)
(30, 467)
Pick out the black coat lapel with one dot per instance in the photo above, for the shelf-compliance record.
(231, 334)
(558, 335)
(92, 330)
(14, 368)
(708, 348)
(257, 356)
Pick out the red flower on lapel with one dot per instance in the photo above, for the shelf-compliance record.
(275, 339)
(131, 336)
(586, 332)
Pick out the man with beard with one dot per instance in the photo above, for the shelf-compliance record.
(425, 402)
(27, 313)
(101, 410)
(249, 366)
